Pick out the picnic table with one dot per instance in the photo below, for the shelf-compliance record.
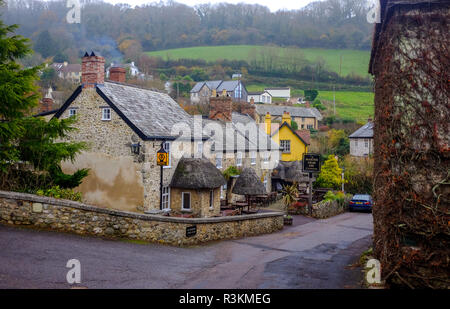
(241, 206)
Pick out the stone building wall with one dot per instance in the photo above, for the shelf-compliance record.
(199, 202)
(67, 216)
(358, 147)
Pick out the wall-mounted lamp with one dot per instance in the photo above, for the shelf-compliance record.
(135, 148)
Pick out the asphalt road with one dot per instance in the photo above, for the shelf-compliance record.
(310, 254)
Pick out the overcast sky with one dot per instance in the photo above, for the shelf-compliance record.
(273, 5)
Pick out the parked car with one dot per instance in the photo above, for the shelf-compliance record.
(361, 202)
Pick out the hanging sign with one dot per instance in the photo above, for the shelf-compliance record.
(162, 157)
(311, 163)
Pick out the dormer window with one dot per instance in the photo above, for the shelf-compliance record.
(106, 113)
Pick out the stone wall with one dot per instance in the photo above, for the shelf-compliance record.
(323, 209)
(199, 202)
(61, 215)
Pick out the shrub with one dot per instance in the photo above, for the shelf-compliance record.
(57, 192)
(329, 196)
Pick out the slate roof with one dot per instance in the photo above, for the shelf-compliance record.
(256, 140)
(153, 113)
(218, 85)
(277, 110)
(366, 131)
(212, 84)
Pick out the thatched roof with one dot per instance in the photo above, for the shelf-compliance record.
(290, 171)
(194, 173)
(248, 183)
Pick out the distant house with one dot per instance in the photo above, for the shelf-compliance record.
(235, 89)
(361, 141)
(236, 76)
(306, 118)
(130, 67)
(68, 71)
(260, 97)
(284, 93)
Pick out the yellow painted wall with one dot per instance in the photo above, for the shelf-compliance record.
(298, 148)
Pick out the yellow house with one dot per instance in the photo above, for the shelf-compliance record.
(293, 142)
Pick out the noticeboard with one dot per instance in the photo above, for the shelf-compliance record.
(311, 163)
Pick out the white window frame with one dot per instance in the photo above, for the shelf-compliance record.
(167, 147)
(366, 143)
(166, 198)
(223, 191)
(211, 199)
(239, 159)
(219, 159)
(106, 111)
(284, 143)
(200, 149)
(253, 158)
(266, 157)
(72, 112)
(182, 201)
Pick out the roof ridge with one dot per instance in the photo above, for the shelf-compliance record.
(135, 86)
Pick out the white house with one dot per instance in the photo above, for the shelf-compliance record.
(260, 97)
(361, 141)
(279, 92)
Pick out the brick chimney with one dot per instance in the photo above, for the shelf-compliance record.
(46, 105)
(221, 108)
(117, 74)
(92, 70)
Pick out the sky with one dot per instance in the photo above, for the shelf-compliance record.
(273, 5)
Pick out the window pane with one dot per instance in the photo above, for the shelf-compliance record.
(186, 200)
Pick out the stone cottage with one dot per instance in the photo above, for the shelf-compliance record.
(125, 126)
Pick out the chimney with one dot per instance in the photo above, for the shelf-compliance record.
(220, 108)
(224, 93)
(214, 93)
(117, 74)
(92, 70)
(249, 109)
(268, 124)
(46, 105)
(286, 118)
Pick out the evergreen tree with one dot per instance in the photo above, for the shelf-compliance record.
(24, 138)
(45, 44)
(330, 174)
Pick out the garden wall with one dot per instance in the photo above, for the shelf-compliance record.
(324, 209)
(68, 216)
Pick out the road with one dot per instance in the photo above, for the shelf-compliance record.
(310, 254)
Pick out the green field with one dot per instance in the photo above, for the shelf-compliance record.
(349, 104)
(356, 61)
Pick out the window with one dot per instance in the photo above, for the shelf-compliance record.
(238, 92)
(253, 158)
(200, 149)
(72, 112)
(239, 159)
(309, 126)
(223, 191)
(366, 143)
(166, 147)
(186, 201)
(266, 157)
(286, 146)
(356, 143)
(303, 119)
(211, 199)
(303, 126)
(106, 113)
(219, 160)
(166, 198)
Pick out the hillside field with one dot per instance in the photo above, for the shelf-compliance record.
(356, 61)
(349, 104)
